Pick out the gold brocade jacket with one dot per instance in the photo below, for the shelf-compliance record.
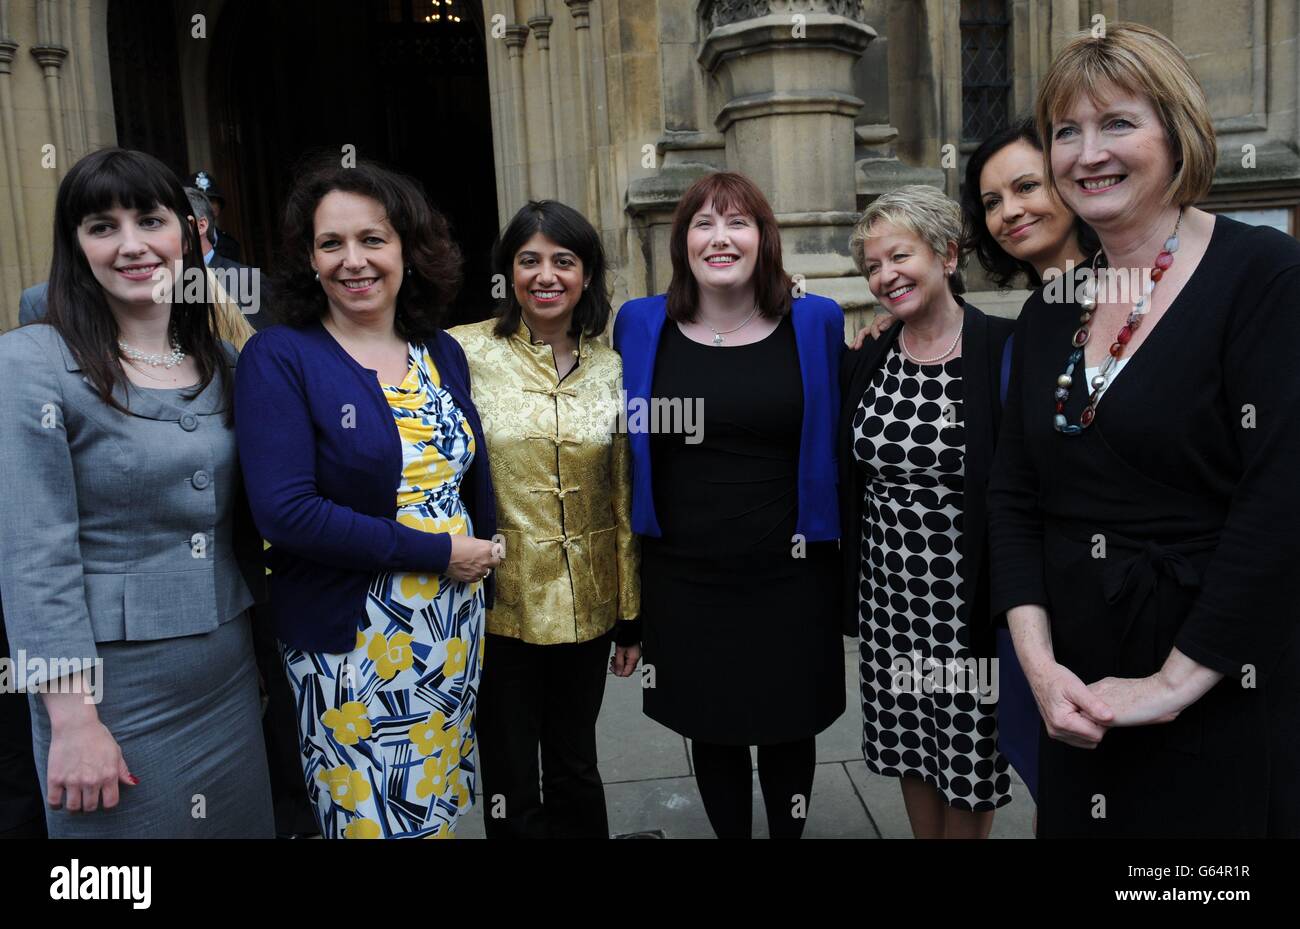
(561, 470)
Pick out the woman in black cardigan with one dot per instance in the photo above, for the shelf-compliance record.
(1143, 506)
(919, 417)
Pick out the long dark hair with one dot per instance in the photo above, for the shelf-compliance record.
(728, 190)
(78, 310)
(428, 251)
(1001, 266)
(569, 229)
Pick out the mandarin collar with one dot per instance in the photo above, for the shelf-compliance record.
(523, 336)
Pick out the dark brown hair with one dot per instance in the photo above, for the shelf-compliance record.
(1003, 268)
(567, 228)
(728, 190)
(117, 178)
(433, 259)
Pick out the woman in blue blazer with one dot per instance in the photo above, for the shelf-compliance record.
(367, 473)
(732, 399)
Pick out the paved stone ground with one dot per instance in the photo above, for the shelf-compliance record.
(649, 784)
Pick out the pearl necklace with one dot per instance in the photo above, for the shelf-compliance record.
(170, 360)
(717, 336)
(1088, 300)
(902, 338)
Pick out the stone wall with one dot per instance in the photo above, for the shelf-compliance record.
(616, 106)
(55, 106)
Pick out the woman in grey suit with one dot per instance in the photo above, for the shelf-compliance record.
(127, 564)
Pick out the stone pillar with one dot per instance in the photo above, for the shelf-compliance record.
(786, 71)
(516, 36)
(581, 10)
(541, 26)
(51, 58)
(652, 201)
(50, 54)
(879, 168)
(16, 223)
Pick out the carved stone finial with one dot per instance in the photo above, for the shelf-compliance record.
(516, 36)
(581, 10)
(541, 26)
(49, 55)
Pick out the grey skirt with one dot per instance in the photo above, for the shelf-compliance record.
(187, 715)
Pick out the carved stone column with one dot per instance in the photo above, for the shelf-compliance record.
(581, 11)
(516, 36)
(786, 71)
(51, 58)
(50, 53)
(18, 208)
(541, 26)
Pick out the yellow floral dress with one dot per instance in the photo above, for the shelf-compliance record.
(388, 728)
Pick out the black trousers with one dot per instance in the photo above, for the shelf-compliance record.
(547, 697)
(785, 774)
(294, 814)
(22, 808)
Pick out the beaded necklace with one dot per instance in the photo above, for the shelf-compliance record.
(1088, 300)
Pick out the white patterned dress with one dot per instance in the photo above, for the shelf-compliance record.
(924, 715)
(387, 730)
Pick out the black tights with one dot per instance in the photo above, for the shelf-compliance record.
(785, 774)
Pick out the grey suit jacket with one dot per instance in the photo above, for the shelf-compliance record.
(32, 305)
(114, 527)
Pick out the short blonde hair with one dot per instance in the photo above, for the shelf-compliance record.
(1137, 60)
(922, 210)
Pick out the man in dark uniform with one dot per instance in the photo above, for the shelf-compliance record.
(234, 277)
(225, 244)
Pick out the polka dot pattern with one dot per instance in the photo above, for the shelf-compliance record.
(909, 438)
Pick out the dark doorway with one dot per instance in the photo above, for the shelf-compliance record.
(145, 70)
(405, 81)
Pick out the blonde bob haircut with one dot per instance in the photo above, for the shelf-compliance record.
(1137, 60)
(921, 210)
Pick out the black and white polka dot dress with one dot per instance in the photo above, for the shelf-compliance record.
(924, 712)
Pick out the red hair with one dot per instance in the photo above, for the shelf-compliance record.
(728, 191)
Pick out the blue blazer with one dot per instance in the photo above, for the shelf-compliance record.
(819, 335)
(322, 461)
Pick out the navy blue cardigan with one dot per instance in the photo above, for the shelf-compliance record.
(819, 335)
(322, 462)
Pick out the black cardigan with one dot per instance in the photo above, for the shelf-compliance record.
(983, 339)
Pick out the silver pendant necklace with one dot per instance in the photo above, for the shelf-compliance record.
(718, 334)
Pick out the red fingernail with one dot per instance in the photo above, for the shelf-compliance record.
(133, 779)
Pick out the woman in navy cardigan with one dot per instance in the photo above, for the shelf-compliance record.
(367, 473)
(735, 502)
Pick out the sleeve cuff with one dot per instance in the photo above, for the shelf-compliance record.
(1215, 661)
(627, 632)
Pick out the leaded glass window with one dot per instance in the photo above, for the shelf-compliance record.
(985, 79)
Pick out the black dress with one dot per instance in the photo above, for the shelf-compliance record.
(741, 632)
(1171, 522)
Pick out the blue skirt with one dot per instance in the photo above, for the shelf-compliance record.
(1018, 719)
